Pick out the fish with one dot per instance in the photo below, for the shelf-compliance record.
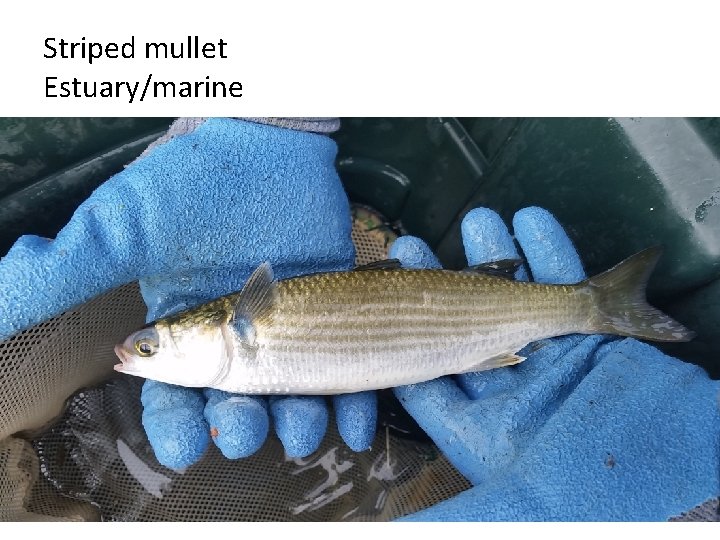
(382, 326)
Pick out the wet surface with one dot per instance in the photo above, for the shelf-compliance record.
(98, 453)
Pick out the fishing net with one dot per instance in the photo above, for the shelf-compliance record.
(72, 446)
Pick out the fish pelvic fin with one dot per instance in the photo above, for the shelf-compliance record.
(622, 309)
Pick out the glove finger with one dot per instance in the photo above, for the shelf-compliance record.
(440, 408)
(356, 416)
(300, 423)
(552, 259)
(553, 366)
(413, 253)
(104, 245)
(486, 239)
(174, 423)
(41, 278)
(547, 247)
(437, 406)
(238, 424)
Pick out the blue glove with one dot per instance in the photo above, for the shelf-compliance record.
(587, 428)
(192, 219)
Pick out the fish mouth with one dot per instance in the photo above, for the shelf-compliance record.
(126, 365)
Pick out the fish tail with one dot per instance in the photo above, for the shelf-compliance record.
(622, 309)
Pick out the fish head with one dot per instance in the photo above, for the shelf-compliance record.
(190, 356)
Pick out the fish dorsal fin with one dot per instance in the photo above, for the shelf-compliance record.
(254, 302)
(505, 268)
(387, 264)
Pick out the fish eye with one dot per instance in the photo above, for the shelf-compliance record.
(146, 343)
(144, 347)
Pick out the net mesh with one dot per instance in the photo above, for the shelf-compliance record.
(72, 446)
(98, 453)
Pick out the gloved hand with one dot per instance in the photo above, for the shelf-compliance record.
(586, 428)
(192, 219)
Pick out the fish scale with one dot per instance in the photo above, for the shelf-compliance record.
(349, 331)
(378, 327)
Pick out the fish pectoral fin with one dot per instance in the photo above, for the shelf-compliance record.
(386, 264)
(500, 360)
(505, 268)
(256, 298)
(244, 330)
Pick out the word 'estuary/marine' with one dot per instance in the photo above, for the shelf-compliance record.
(76, 88)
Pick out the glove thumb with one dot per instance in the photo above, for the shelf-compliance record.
(41, 278)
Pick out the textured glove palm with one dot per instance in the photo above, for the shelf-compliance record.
(587, 428)
(191, 220)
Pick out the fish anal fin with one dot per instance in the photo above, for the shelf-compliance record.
(497, 361)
